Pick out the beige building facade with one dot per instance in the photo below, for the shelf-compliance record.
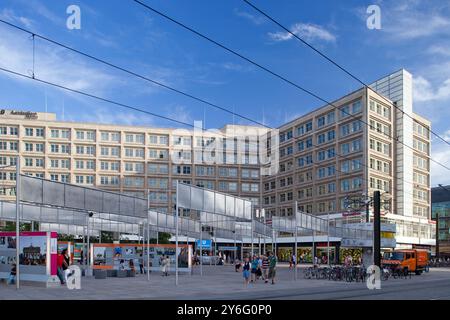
(325, 160)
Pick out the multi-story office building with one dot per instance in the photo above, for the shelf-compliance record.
(361, 143)
(364, 141)
(440, 206)
(128, 159)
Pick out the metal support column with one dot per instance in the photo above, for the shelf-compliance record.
(328, 238)
(176, 238)
(296, 240)
(377, 228)
(18, 194)
(201, 249)
(148, 248)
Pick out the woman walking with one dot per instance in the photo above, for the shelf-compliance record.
(246, 271)
(254, 265)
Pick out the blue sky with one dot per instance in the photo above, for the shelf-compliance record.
(414, 35)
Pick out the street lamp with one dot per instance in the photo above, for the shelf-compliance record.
(366, 201)
(90, 215)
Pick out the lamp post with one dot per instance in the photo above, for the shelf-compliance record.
(88, 255)
(17, 222)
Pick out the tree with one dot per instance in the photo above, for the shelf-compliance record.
(163, 238)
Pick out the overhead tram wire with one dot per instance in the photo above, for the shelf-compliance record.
(166, 118)
(146, 78)
(323, 55)
(135, 74)
(34, 78)
(347, 157)
(123, 105)
(273, 73)
(95, 97)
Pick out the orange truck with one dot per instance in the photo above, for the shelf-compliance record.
(414, 260)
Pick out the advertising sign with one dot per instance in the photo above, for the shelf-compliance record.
(206, 244)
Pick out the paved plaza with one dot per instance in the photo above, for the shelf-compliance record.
(222, 282)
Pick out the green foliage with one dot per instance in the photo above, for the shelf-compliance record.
(11, 226)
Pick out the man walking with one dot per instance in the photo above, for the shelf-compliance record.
(265, 268)
(272, 267)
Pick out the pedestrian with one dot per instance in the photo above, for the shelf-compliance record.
(272, 267)
(254, 265)
(166, 265)
(81, 257)
(60, 269)
(246, 271)
(294, 260)
(259, 269)
(237, 265)
(141, 264)
(265, 268)
(65, 263)
(12, 274)
(131, 265)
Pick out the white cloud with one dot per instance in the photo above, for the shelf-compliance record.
(439, 50)
(419, 25)
(307, 31)
(104, 115)
(417, 19)
(231, 66)
(180, 113)
(424, 91)
(257, 20)
(440, 152)
(10, 16)
(52, 64)
(43, 11)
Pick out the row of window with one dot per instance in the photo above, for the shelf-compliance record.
(381, 147)
(89, 135)
(379, 165)
(421, 146)
(420, 163)
(380, 127)
(379, 184)
(380, 109)
(420, 178)
(420, 194)
(421, 130)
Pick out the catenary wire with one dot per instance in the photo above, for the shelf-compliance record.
(339, 66)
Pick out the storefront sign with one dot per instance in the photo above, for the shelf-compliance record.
(206, 244)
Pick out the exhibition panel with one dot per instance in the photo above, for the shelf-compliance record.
(37, 256)
(127, 256)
